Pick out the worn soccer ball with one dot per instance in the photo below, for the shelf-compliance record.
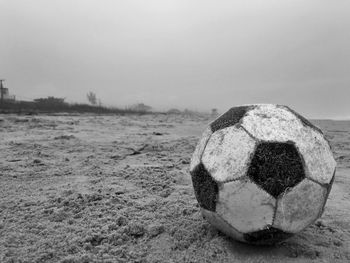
(262, 173)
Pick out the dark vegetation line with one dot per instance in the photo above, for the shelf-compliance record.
(56, 105)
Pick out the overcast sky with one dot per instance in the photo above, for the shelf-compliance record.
(195, 54)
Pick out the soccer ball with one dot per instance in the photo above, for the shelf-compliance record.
(262, 173)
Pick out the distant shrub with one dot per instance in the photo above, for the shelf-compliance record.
(140, 107)
(50, 102)
(174, 111)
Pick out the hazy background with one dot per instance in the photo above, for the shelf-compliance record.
(194, 54)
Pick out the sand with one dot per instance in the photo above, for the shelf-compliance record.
(117, 189)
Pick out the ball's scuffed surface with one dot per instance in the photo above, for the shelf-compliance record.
(232, 206)
(262, 173)
(300, 206)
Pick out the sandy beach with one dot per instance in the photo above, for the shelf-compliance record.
(89, 188)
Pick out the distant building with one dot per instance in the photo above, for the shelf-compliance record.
(214, 113)
(5, 95)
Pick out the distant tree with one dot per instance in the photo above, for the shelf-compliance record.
(92, 98)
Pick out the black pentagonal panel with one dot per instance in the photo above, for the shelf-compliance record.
(305, 121)
(268, 236)
(229, 118)
(276, 166)
(205, 188)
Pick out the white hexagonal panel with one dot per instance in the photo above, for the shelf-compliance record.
(227, 154)
(196, 157)
(245, 206)
(271, 123)
(319, 161)
(276, 123)
(300, 206)
(219, 223)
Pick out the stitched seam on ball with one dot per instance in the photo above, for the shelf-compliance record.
(321, 184)
(231, 180)
(329, 188)
(205, 145)
(274, 212)
(306, 170)
(251, 135)
(239, 232)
